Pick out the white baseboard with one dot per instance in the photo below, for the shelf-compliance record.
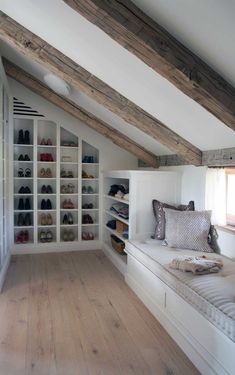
(4, 271)
(197, 354)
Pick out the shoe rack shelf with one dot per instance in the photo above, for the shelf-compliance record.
(142, 187)
(57, 188)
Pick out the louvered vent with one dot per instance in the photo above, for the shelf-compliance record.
(19, 108)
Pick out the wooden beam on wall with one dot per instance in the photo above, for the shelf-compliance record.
(79, 113)
(52, 59)
(139, 34)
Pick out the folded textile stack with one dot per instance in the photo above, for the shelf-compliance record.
(198, 265)
(121, 210)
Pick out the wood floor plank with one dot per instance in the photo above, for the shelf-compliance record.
(14, 318)
(73, 314)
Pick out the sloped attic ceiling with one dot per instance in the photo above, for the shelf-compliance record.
(95, 51)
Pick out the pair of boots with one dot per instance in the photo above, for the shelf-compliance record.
(23, 137)
(24, 220)
(24, 205)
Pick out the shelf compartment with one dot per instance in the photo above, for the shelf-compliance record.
(25, 125)
(66, 229)
(44, 212)
(30, 231)
(116, 199)
(47, 229)
(74, 214)
(46, 130)
(111, 213)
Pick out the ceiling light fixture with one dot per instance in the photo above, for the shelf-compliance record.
(57, 84)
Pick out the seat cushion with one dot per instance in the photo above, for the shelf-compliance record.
(212, 295)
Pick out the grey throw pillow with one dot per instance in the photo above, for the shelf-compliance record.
(188, 229)
(158, 210)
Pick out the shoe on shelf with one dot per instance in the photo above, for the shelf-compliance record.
(49, 219)
(63, 174)
(84, 174)
(90, 206)
(43, 142)
(49, 236)
(26, 157)
(65, 204)
(63, 189)
(70, 205)
(43, 205)
(21, 157)
(85, 236)
(27, 220)
(43, 236)
(70, 174)
(48, 204)
(43, 189)
(49, 157)
(27, 190)
(71, 236)
(20, 140)
(26, 137)
(84, 190)
(90, 236)
(21, 190)
(43, 219)
(49, 189)
(25, 236)
(90, 190)
(20, 172)
(85, 159)
(42, 173)
(27, 172)
(65, 219)
(42, 157)
(27, 204)
(70, 218)
(20, 237)
(49, 142)
(20, 220)
(48, 173)
(65, 235)
(21, 204)
(70, 188)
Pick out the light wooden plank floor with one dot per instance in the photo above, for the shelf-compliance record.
(72, 313)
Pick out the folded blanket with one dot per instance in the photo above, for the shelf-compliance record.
(198, 265)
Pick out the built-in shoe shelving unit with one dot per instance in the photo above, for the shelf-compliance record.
(56, 186)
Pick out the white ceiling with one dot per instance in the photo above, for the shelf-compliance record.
(95, 51)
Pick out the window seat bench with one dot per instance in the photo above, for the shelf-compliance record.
(197, 311)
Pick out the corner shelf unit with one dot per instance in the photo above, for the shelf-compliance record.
(143, 187)
(47, 211)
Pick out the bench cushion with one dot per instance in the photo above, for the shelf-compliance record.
(212, 295)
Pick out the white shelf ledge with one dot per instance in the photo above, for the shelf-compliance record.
(116, 199)
(111, 213)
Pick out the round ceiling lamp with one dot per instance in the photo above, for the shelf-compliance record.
(57, 84)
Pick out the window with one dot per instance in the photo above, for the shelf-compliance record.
(230, 196)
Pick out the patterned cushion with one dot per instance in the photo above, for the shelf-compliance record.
(188, 229)
(158, 210)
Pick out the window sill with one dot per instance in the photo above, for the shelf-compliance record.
(226, 228)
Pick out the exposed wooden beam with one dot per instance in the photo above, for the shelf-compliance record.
(36, 48)
(79, 113)
(139, 34)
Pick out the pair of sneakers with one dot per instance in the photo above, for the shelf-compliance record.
(46, 236)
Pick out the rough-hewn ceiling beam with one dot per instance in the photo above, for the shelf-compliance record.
(139, 34)
(79, 113)
(39, 50)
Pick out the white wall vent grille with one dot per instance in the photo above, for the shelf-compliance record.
(19, 108)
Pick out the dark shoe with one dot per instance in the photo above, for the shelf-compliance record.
(20, 172)
(21, 204)
(71, 235)
(48, 204)
(90, 206)
(43, 189)
(27, 190)
(20, 220)
(85, 219)
(27, 172)
(21, 190)
(65, 220)
(70, 219)
(27, 220)
(25, 236)
(49, 189)
(43, 205)
(27, 204)
(26, 137)
(20, 140)
(26, 158)
(21, 158)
